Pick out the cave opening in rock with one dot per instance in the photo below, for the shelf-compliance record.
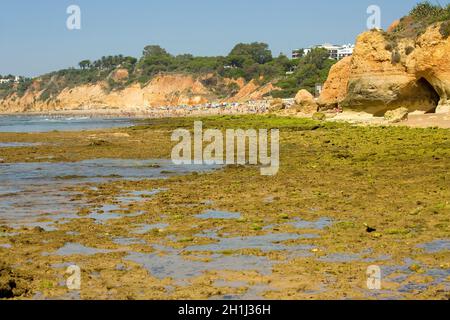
(433, 95)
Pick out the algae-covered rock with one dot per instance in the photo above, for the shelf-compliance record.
(11, 285)
(319, 116)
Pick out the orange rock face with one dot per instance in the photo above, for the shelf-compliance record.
(393, 25)
(335, 88)
(120, 75)
(382, 76)
(162, 90)
(252, 91)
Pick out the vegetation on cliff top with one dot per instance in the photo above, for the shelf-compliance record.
(252, 61)
(420, 18)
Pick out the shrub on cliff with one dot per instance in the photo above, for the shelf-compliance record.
(445, 29)
(396, 57)
(409, 50)
(420, 17)
(426, 11)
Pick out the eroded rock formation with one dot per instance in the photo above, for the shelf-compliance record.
(335, 88)
(385, 74)
(305, 103)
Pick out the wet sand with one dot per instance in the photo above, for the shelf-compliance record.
(428, 120)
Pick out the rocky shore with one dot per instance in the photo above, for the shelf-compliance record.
(307, 233)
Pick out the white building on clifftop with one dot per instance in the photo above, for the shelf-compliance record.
(336, 52)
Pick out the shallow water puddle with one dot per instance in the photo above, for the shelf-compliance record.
(301, 224)
(128, 241)
(137, 196)
(229, 284)
(18, 144)
(77, 249)
(320, 224)
(32, 203)
(436, 246)
(32, 190)
(109, 212)
(265, 243)
(71, 295)
(340, 257)
(46, 225)
(170, 264)
(145, 228)
(216, 214)
(61, 123)
(401, 274)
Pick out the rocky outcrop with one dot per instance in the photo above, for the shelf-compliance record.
(385, 74)
(335, 88)
(252, 91)
(397, 115)
(305, 103)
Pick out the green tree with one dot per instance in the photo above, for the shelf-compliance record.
(85, 64)
(311, 69)
(154, 50)
(256, 52)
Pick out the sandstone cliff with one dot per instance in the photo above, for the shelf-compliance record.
(335, 88)
(162, 90)
(387, 73)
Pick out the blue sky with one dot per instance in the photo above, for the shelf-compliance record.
(34, 38)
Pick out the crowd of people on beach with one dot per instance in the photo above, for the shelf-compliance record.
(223, 108)
(218, 108)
